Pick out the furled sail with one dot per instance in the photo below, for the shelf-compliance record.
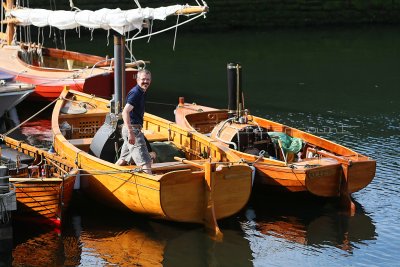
(118, 20)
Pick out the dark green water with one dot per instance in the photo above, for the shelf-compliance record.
(347, 70)
(342, 84)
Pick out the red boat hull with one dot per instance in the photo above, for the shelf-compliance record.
(89, 76)
(47, 89)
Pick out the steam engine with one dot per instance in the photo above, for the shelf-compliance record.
(245, 137)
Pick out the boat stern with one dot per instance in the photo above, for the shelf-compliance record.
(187, 197)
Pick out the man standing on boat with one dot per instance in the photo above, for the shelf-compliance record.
(134, 147)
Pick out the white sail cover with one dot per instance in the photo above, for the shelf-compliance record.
(119, 20)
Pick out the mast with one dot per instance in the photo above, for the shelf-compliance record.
(235, 101)
(119, 71)
(10, 26)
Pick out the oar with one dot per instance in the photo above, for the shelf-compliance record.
(283, 152)
(197, 165)
(210, 220)
(331, 155)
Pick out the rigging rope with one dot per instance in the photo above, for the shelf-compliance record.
(160, 103)
(167, 29)
(137, 3)
(28, 119)
(176, 31)
(5, 215)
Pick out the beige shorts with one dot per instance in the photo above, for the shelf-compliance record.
(137, 153)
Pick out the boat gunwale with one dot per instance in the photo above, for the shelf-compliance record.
(35, 74)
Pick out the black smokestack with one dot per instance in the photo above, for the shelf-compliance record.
(119, 71)
(235, 101)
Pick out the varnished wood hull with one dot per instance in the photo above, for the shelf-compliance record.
(322, 177)
(176, 196)
(41, 198)
(45, 198)
(171, 193)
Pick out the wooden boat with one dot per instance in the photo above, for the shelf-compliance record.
(87, 73)
(12, 93)
(50, 69)
(320, 167)
(44, 187)
(208, 184)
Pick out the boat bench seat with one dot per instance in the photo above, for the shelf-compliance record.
(175, 165)
(167, 166)
(170, 166)
(82, 143)
(154, 137)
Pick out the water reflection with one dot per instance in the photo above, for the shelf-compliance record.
(133, 241)
(5, 244)
(92, 235)
(196, 248)
(120, 246)
(310, 221)
(162, 246)
(95, 236)
(45, 247)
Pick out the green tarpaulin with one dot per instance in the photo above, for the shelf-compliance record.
(289, 144)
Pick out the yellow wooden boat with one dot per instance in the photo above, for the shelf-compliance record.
(320, 167)
(207, 182)
(44, 187)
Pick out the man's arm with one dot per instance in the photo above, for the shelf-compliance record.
(127, 122)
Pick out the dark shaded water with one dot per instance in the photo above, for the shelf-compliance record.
(341, 84)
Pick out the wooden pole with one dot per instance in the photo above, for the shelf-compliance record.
(210, 218)
(345, 198)
(195, 164)
(10, 26)
(327, 154)
(192, 10)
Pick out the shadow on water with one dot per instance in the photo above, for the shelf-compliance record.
(6, 243)
(93, 235)
(121, 239)
(308, 220)
(45, 247)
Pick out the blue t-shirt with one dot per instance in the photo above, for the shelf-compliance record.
(136, 98)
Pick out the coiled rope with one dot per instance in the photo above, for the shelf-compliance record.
(5, 215)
